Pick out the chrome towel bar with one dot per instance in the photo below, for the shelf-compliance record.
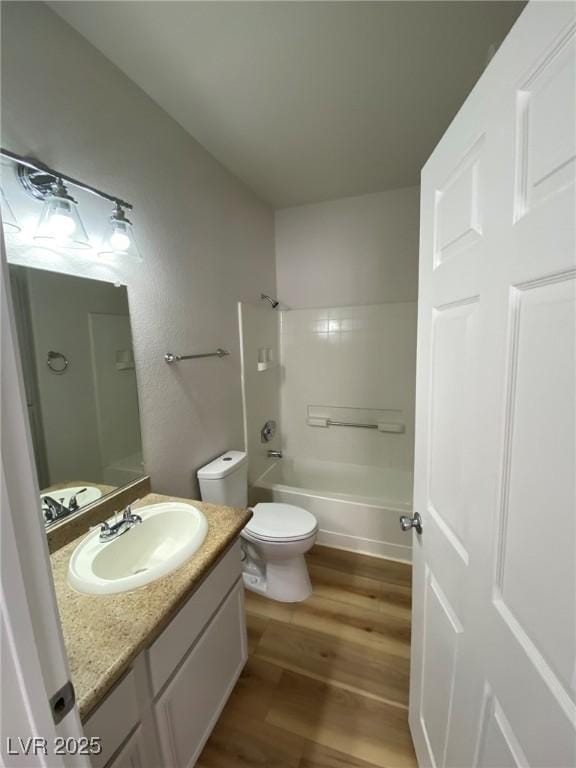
(169, 357)
(381, 426)
(350, 424)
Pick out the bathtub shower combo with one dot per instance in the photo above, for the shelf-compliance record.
(338, 386)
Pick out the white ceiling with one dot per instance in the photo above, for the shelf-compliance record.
(304, 101)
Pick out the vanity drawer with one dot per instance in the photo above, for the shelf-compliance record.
(170, 648)
(114, 719)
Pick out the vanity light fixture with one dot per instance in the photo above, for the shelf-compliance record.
(9, 221)
(60, 222)
(120, 239)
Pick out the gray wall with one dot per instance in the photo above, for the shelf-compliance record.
(351, 251)
(206, 241)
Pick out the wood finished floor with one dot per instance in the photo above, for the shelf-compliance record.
(326, 683)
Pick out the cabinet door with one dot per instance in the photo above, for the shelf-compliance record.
(114, 719)
(171, 647)
(188, 709)
(133, 753)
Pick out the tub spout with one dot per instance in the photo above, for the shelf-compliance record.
(274, 454)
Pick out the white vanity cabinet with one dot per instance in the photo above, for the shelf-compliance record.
(188, 709)
(163, 710)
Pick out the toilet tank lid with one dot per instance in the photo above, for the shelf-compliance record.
(222, 466)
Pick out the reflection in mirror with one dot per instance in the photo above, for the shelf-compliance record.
(78, 364)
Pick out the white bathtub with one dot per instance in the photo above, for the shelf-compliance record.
(357, 507)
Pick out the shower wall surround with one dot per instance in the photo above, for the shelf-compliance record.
(260, 338)
(353, 357)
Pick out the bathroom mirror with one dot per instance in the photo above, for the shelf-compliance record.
(78, 364)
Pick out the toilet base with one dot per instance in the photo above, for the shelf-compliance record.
(284, 580)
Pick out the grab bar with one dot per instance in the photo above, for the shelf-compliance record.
(170, 358)
(332, 423)
(381, 426)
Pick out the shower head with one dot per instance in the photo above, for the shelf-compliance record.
(272, 301)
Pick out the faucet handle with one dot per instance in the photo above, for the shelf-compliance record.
(73, 503)
(130, 516)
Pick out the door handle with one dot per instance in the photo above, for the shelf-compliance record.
(406, 523)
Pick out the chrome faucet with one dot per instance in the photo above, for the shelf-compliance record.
(73, 505)
(274, 454)
(53, 510)
(129, 520)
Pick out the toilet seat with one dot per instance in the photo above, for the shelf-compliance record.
(280, 522)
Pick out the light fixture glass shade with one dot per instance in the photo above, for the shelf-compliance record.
(120, 238)
(9, 221)
(60, 223)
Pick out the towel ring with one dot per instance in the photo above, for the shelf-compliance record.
(60, 367)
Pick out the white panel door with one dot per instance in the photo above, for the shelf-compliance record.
(33, 660)
(493, 667)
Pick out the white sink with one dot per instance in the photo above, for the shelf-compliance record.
(63, 495)
(170, 533)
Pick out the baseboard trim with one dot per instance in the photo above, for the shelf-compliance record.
(365, 546)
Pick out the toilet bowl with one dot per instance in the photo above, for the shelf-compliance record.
(276, 538)
(274, 543)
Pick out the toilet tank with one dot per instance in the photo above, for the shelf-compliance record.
(225, 480)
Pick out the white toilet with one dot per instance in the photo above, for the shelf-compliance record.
(274, 540)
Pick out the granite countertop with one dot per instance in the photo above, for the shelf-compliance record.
(104, 633)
